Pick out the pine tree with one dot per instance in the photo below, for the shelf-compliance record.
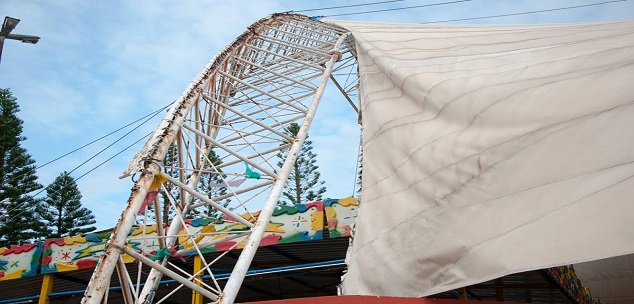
(17, 177)
(208, 184)
(303, 183)
(62, 211)
(173, 193)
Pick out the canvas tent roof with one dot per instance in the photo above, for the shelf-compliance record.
(497, 149)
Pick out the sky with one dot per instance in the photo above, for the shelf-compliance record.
(101, 65)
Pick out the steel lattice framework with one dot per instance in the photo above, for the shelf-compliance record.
(239, 107)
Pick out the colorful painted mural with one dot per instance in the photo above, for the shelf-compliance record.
(82, 251)
(289, 224)
(566, 278)
(19, 261)
(340, 215)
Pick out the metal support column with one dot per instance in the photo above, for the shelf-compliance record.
(226, 129)
(244, 261)
(47, 288)
(100, 280)
(197, 298)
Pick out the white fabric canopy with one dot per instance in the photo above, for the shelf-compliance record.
(490, 150)
(610, 280)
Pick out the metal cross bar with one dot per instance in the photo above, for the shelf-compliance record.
(170, 273)
(262, 91)
(267, 70)
(249, 118)
(244, 261)
(213, 242)
(318, 66)
(125, 282)
(234, 193)
(316, 41)
(275, 149)
(209, 201)
(242, 102)
(236, 154)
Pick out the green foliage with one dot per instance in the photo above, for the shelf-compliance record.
(17, 177)
(62, 212)
(208, 184)
(304, 184)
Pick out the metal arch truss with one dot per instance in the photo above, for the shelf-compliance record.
(227, 128)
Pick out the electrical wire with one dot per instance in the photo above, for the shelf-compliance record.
(526, 13)
(78, 178)
(94, 141)
(114, 142)
(102, 137)
(147, 118)
(115, 155)
(345, 6)
(395, 9)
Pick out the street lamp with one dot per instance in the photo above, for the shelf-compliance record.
(5, 33)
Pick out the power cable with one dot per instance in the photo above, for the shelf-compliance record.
(395, 9)
(526, 13)
(117, 154)
(345, 6)
(102, 137)
(114, 142)
(148, 118)
(94, 141)
(89, 171)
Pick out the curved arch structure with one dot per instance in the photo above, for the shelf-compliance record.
(227, 128)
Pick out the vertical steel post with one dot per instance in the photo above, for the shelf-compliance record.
(101, 276)
(154, 277)
(124, 282)
(197, 298)
(47, 288)
(1, 46)
(232, 287)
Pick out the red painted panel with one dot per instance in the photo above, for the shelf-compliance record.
(369, 300)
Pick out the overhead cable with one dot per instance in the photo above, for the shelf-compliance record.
(396, 9)
(102, 137)
(147, 118)
(115, 155)
(345, 6)
(114, 142)
(78, 178)
(526, 13)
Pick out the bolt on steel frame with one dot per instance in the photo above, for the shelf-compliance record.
(227, 129)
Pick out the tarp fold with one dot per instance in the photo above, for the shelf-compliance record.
(490, 150)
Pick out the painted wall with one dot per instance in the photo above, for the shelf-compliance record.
(289, 224)
(566, 278)
(340, 215)
(19, 261)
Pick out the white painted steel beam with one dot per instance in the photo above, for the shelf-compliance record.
(166, 271)
(231, 151)
(201, 197)
(232, 287)
(249, 118)
(286, 102)
(242, 103)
